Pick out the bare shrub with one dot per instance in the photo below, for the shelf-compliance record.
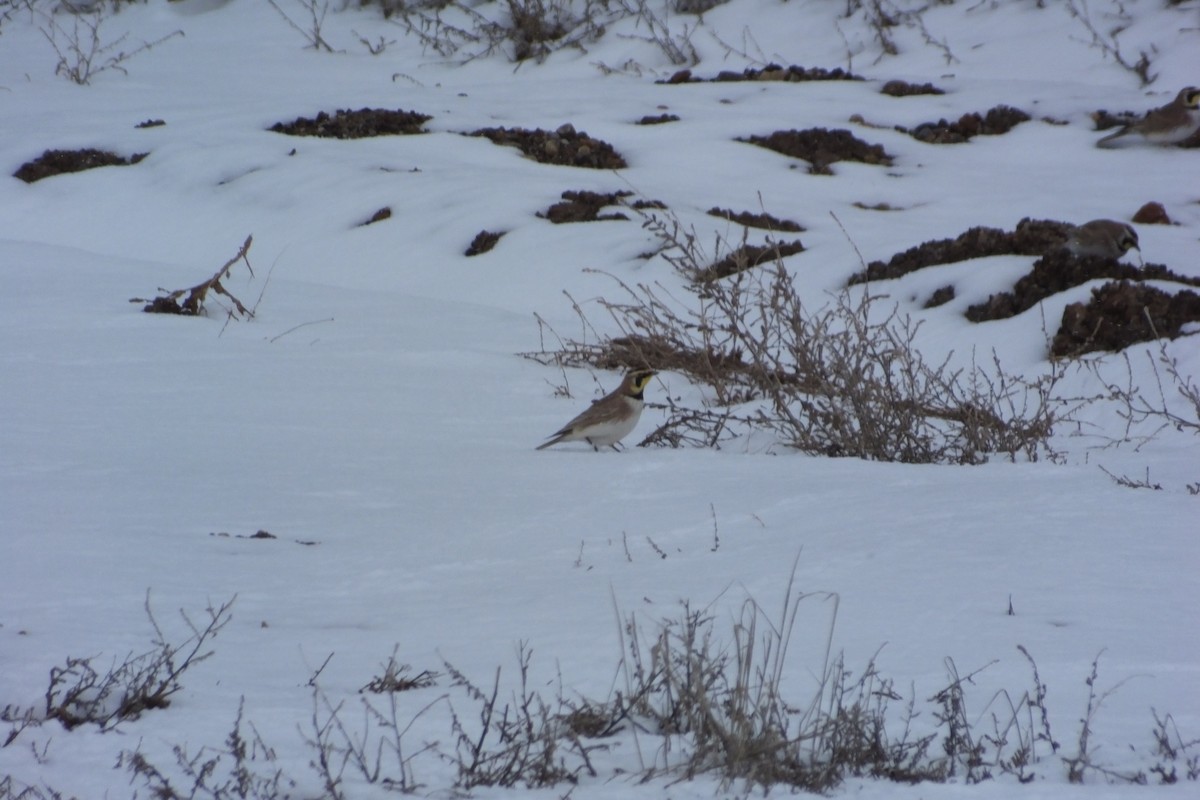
(521, 29)
(398, 677)
(310, 23)
(691, 697)
(1108, 41)
(525, 741)
(83, 51)
(1080, 764)
(12, 789)
(374, 753)
(193, 303)
(79, 693)
(1174, 752)
(844, 379)
(716, 701)
(246, 767)
(1171, 402)
(18, 718)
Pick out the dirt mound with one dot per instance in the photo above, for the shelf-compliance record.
(899, 88)
(378, 216)
(58, 162)
(940, 297)
(751, 220)
(658, 120)
(483, 242)
(1058, 271)
(1121, 314)
(585, 206)
(747, 257)
(1031, 237)
(771, 72)
(564, 147)
(821, 147)
(996, 121)
(346, 124)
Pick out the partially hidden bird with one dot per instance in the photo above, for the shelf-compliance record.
(609, 419)
(1102, 237)
(1169, 124)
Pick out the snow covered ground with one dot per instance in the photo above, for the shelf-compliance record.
(375, 417)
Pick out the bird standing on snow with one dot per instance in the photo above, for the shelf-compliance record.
(1102, 237)
(1169, 124)
(611, 418)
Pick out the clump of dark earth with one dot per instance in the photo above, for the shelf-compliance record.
(1031, 238)
(998, 120)
(483, 242)
(821, 147)
(905, 89)
(346, 124)
(151, 123)
(1152, 214)
(899, 88)
(564, 147)
(1121, 314)
(940, 297)
(585, 206)
(659, 120)
(747, 257)
(378, 216)
(1058, 271)
(58, 162)
(751, 220)
(771, 72)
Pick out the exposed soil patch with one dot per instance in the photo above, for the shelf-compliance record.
(378, 216)
(899, 88)
(658, 120)
(483, 242)
(1152, 214)
(771, 72)
(58, 162)
(747, 257)
(564, 146)
(1058, 271)
(751, 220)
(585, 206)
(998, 120)
(940, 297)
(821, 147)
(1116, 317)
(365, 122)
(1031, 238)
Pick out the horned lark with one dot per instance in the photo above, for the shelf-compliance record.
(1168, 124)
(1102, 237)
(611, 418)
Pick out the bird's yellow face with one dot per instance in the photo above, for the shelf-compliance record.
(1191, 97)
(1127, 241)
(639, 379)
